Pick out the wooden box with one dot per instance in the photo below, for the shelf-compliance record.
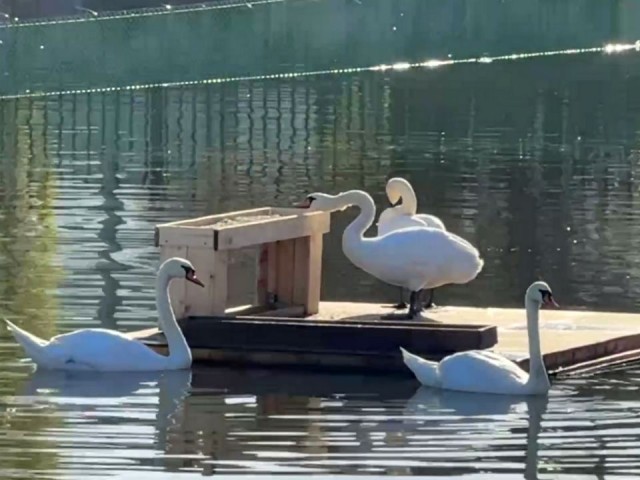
(289, 251)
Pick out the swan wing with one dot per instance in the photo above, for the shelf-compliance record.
(101, 349)
(483, 372)
(419, 257)
(390, 220)
(430, 221)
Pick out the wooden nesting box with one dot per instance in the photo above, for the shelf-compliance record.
(289, 243)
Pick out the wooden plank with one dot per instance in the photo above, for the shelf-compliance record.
(285, 255)
(262, 316)
(242, 310)
(586, 353)
(300, 271)
(344, 338)
(307, 361)
(283, 312)
(185, 236)
(314, 282)
(272, 269)
(210, 219)
(276, 229)
(219, 283)
(261, 297)
(176, 288)
(201, 300)
(599, 364)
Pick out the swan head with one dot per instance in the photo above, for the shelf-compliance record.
(540, 294)
(321, 202)
(396, 188)
(177, 267)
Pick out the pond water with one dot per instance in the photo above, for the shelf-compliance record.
(532, 159)
(221, 422)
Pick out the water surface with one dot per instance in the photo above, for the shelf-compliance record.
(534, 160)
(221, 422)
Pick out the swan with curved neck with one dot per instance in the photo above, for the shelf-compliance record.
(413, 258)
(403, 215)
(488, 372)
(108, 350)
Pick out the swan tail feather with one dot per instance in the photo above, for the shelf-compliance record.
(426, 372)
(32, 345)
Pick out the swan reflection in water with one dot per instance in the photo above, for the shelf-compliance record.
(465, 406)
(73, 391)
(226, 418)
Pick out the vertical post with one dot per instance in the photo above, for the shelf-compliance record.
(308, 273)
(272, 270)
(219, 282)
(314, 282)
(262, 270)
(211, 268)
(284, 280)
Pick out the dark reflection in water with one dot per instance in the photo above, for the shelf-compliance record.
(252, 421)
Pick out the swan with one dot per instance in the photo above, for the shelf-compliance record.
(414, 258)
(488, 372)
(108, 350)
(404, 215)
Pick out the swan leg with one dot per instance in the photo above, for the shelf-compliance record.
(428, 304)
(415, 305)
(414, 309)
(401, 305)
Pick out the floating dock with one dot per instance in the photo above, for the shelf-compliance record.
(352, 337)
(277, 253)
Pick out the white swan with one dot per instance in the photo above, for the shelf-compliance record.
(109, 350)
(414, 258)
(488, 372)
(404, 215)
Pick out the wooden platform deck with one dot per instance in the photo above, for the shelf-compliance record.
(572, 341)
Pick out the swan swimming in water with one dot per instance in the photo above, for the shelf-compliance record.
(414, 258)
(404, 215)
(482, 371)
(109, 350)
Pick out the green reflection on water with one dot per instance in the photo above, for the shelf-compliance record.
(295, 35)
(28, 276)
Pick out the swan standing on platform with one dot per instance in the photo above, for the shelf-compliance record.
(109, 350)
(414, 258)
(404, 215)
(482, 371)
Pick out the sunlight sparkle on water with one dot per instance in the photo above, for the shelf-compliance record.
(621, 47)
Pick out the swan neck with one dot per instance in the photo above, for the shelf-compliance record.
(355, 231)
(537, 371)
(409, 205)
(179, 350)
